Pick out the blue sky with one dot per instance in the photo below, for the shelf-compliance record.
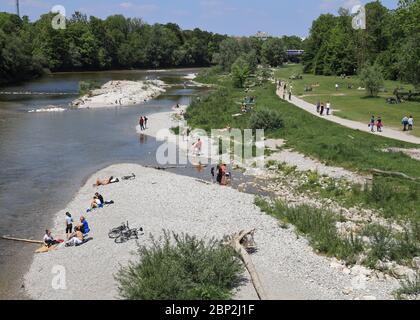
(233, 17)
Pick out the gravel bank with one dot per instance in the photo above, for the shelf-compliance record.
(157, 200)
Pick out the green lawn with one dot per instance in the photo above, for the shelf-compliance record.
(318, 138)
(353, 104)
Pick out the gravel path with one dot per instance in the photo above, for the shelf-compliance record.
(157, 200)
(388, 132)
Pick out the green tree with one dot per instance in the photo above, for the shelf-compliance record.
(240, 72)
(273, 52)
(371, 78)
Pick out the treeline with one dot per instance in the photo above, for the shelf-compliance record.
(90, 43)
(95, 44)
(390, 42)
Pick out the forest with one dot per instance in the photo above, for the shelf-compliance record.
(390, 42)
(89, 43)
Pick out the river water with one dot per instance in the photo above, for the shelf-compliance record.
(46, 157)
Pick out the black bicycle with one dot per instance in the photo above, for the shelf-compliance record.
(123, 233)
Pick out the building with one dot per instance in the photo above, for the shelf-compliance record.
(295, 53)
(262, 35)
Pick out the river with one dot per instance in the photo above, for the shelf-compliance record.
(46, 157)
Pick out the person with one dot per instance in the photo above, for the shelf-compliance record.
(49, 239)
(372, 124)
(145, 122)
(290, 94)
(337, 87)
(106, 181)
(100, 198)
(322, 109)
(410, 123)
(197, 147)
(219, 174)
(379, 124)
(213, 174)
(141, 123)
(76, 238)
(223, 169)
(328, 108)
(96, 203)
(405, 123)
(69, 225)
(318, 106)
(84, 226)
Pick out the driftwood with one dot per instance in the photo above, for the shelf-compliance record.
(242, 242)
(22, 240)
(395, 174)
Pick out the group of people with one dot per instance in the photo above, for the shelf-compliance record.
(284, 89)
(323, 108)
(221, 175)
(376, 123)
(75, 236)
(143, 123)
(408, 123)
(98, 202)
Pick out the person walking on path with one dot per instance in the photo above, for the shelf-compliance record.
(410, 123)
(379, 124)
(318, 106)
(290, 94)
(372, 124)
(405, 123)
(321, 112)
(328, 108)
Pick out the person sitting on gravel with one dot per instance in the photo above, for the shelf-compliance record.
(106, 181)
(84, 226)
(49, 239)
(76, 239)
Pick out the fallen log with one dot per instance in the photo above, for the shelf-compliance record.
(22, 240)
(241, 244)
(394, 174)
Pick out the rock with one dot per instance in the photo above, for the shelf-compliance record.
(416, 263)
(360, 270)
(346, 271)
(347, 291)
(402, 272)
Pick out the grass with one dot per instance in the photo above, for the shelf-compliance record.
(409, 288)
(319, 226)
(318, 138)
(353, 104)
(181, 267)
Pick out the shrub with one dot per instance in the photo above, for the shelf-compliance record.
(86, 86)
(266, 119)
(409, 288)
(181, 267)
(372, 79)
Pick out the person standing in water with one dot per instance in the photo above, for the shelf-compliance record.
(145, 122)
(141, 123)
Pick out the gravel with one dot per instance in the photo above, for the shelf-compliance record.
(157, 201)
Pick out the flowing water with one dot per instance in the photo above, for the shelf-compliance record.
(45, 157)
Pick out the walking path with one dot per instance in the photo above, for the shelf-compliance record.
(388, 133)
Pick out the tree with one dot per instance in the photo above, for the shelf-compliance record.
(240, 72)
(229, 51)
(371, 78)
(273, 52)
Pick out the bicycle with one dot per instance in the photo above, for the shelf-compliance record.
(127, 235)
(116, 232)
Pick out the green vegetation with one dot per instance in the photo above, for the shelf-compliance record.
(86, 86)
(266, 119)
(409, 288)
(371, 78)
(318, 138)
(319, 226)
(390, 40)
(181, 268)
(352, 103)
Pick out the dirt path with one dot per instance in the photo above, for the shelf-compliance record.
(388, 133)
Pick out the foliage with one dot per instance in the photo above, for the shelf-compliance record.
(390, 40)
(240, 72)
(409, 287)
(371, 78)
(265, 119)
(181, 267)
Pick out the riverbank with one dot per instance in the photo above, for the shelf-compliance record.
(120, 93)
(156, 201)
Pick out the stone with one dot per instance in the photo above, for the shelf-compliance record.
(416, 262)
(347, 291)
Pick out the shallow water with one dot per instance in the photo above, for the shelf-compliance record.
(46, 157)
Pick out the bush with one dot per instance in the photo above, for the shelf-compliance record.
(86, 86)
(266, 119)
(372, 79)
(181, 267)
(409, 288)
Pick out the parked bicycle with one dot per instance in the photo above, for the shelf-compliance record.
(123, 233)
